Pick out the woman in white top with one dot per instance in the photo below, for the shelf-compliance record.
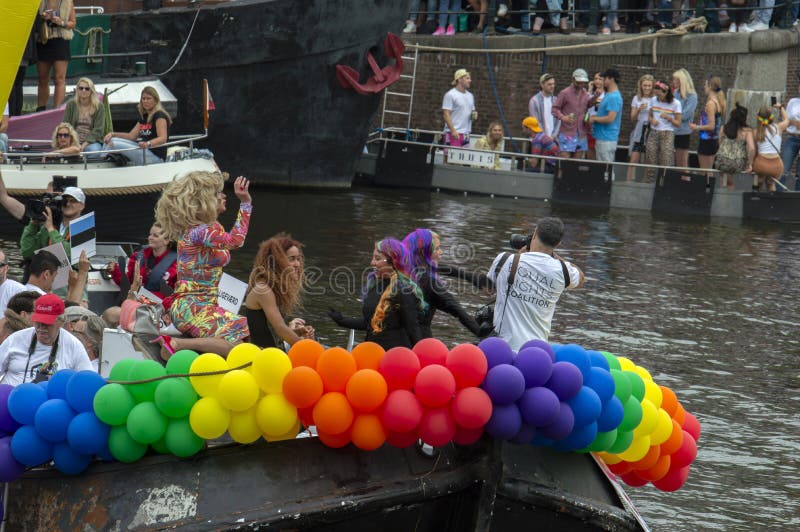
(768, 165)
(791, 145)
(640, 113)
(665, 118)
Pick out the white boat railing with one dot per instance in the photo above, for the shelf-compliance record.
(92, 10)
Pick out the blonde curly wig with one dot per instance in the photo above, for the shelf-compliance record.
(188, 201)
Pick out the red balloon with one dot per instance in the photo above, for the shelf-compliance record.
(468, 365)
(431, 351)
(686, 454)
(471, 408)
(632, 479)
(434, 386)
(692, 426)
(620, 468)
(334, 441)
(401, 440)
(658, 471)
(673, 480)
(399, 366)
(437, 427)
(465, 436)
(401, 411)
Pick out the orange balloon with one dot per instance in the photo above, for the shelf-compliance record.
(674, 441)
(333, 414)
(335, 366)
(368, 433)
(658, 471)
(669, 401)
(368, 355)
(334, 441)
(305, 353)
(366, 390)
(649, 460)
(302, 386)
(679, 415)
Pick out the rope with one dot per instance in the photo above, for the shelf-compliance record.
(183, 48)
(94, 29)
(176, 375)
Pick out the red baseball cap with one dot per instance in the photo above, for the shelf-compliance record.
(47, 309)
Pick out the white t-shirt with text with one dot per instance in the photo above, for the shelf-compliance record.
(661, 110)
(460, 104)
(17, 366)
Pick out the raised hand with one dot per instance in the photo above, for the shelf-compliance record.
(241, 188)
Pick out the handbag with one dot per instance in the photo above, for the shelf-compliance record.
(731, 156)
(43, 32)
(142, 318)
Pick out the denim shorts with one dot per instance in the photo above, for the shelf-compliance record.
(571, 144)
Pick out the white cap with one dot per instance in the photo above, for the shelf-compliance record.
(76, 193)
(580, 75)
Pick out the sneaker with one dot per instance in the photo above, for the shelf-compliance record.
(439, 31)
(732, 28)
(758, 26)
(410, 27)
(450, 30)
(502, 10)
(745, 28)
(606, 31)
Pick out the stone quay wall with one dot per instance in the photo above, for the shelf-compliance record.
(758, 61)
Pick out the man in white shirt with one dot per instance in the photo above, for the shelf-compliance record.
(458, 109)
(540, 106)
(43, 268)
(524, 310)
(35, 353)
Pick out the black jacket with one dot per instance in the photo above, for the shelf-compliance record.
(437, 297)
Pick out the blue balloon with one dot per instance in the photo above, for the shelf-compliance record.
(105, 455)
(68, 461)
(57, 385)
(505, 422)
(566, 380)
(504, 384)
(586, 406)
(601, 381)
(541, 441)
(81, 388)
(497, 351)
(29, 448)
(579, 438)
(24, 401)
(7, 423)
(87, 434)
(43, 385)
(535, 364)
(562, 426)
(576, 355)
(611, 415)
(525, 434)
(10, 468)
(541, 344)
(598, 360)
(539, 406)
(52, 420)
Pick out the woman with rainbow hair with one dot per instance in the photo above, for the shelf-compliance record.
(392, 302)
(424, 249)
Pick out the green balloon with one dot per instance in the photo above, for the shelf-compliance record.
(112, 404)
(160, 446)
(622, 385)
(632, 415)
(603, 441)
(143, 370)
(181, 361)
(123, 447)
(613, 363)
(180, 439)
(637, 385)
(175, 397)
(121, 369)
(146, 424)
(623, 441)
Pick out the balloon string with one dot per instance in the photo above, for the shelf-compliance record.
(176, 375)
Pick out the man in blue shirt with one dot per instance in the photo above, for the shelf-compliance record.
(607, 121)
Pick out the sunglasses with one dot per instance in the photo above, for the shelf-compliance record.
(3, 264)
(80, 318)
(63, 135)
(87, 89)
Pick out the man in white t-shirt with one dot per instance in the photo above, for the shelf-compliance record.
(42, 349)
(524, 311)
(458, 109)
(8, 287)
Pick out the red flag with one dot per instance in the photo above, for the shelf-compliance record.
(208, 103)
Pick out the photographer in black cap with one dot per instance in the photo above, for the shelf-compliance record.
(529, 284)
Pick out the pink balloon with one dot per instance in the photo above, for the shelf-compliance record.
(431, 351)
(399, 366)
(437, 427)
(401, 411)
(434, 386)
(468, 364)
(692, 426)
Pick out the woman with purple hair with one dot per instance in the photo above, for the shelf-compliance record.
(392, 302)
(424, 249)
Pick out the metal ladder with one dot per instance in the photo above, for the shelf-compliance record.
(410, 95)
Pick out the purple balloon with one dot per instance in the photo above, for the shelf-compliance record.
(562, 426)
(598, 360)
(24, 401)
(576, 355)
(497, 351)
(10, 469)
(7, 423)
(535, 365)
(601, 381)
(504, 384)
(539, 406)
(52, 420)
(57, 385)
(525, 434)
(611, 415)
(586, 406)
(541, 344)
(505, 422)
(580, 438)
(565, 380)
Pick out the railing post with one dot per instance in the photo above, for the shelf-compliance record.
(594, 11)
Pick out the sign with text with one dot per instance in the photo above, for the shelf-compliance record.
(231, 293)
(483, 159)
(62, 276)
(82, 237)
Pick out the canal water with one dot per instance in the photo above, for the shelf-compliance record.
(709, 308)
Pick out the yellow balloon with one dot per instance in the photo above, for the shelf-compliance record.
(275, 415)
(243, 427)
(637, 450)
(238, 390)
(609, 459)
(663, 428)
(292, 434)
(242, 354)
(209, 419)
(649, 420)
(207, 386)
(652, 392)
(626, 364)
(643, 373)
(270, 366)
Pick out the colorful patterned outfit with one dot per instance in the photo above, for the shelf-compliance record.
(202, 252)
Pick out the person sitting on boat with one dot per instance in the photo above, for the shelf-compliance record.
(187, 212)
(392, 302)
(87, 115)
(37, 235)
(43, 268)
(151, 130)
(76, 316)
(424, 250)
(65, 143)
(36, 353)
(458, 110)
(155, 264)
(524, 308)
(92, 339)
(274, 291)
(541, 145)
(52, 49)
(493, 141)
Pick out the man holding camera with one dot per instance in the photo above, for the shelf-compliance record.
(42, 234)
(529, 285)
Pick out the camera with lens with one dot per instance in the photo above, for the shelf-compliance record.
(519, 241)
(35, 208)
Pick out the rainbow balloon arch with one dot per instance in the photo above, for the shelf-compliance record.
(562, 396)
